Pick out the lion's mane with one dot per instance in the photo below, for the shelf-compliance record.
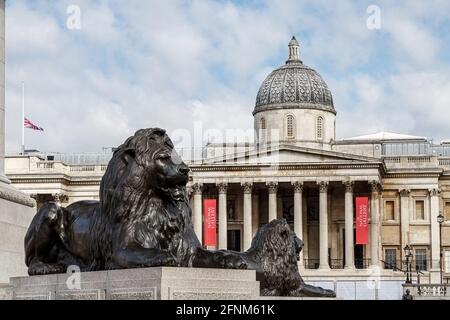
(128, 202)
(274, 248)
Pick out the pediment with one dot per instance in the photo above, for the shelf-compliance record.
(291, 154)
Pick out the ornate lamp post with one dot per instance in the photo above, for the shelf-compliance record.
(408, 255)
(440, 219)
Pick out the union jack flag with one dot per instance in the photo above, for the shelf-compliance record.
(30, 125)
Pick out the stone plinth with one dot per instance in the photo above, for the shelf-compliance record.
(16, 212)
(161, 283)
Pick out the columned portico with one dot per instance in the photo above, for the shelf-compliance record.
(323, 225)
(273, 187)
(348, 216)
(223, 223)
(197, 217)
(298, 214)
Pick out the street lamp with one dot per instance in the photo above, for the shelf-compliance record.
(408, 255)
(440, 220)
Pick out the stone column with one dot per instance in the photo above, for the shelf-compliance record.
(298, 214)
(305, 227)
(247, 214)
(435, 276)
(3, 178)
(323, 225)
(273, 186)
(349, 241)
(404, 219)
(255, 210)
(197, 217)
(223, 223)
(375, 224)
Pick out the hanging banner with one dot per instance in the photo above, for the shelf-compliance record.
(362, 218)
(209, 218)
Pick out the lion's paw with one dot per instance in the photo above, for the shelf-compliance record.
(40, 268)
(232, 261)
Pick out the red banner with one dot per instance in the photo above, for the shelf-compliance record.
(209, 213)
(362, 218)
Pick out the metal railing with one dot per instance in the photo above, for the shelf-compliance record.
(362, 263)
(336, 264)
(400, 265)
(414, 153)
(311, 263)
(415, 149)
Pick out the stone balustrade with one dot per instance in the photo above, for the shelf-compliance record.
(394, 162)
(428, 291)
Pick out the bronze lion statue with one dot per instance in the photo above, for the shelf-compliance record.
(143, 218)
(273, 254)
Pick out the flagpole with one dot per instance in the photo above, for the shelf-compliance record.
(23, 118)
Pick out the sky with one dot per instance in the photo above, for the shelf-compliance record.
(184, 65)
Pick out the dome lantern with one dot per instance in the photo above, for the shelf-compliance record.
(294, 51)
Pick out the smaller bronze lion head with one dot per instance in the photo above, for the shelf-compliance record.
(282, 227)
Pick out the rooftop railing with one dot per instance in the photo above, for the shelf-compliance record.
(392, 152)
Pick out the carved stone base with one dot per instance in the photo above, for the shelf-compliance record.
(6, 293)
(162, 283)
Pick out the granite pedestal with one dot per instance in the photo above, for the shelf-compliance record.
(161, 283)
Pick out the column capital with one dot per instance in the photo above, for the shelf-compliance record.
(404, 192)
(197, 188)
(60, 197)
(248, 187)
(273, 186)
(35, 196)
(349, 185)
(375, 186)
(222, 187)
(323, 186)
(434, 192)
(298, 186)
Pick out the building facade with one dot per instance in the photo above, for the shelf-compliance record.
(296, 169)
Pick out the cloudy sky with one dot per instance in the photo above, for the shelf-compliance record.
(178, 64)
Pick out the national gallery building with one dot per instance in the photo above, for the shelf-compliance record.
(305, 175)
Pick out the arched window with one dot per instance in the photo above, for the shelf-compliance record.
(319, 128)
(290, 126)
(263, 123)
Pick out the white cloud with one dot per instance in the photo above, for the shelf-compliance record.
(171, 63)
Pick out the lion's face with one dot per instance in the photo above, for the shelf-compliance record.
(158, 164)
(170, 171)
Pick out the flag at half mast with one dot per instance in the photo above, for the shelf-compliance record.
(30, 125)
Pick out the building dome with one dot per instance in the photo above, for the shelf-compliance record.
(294, 86)
(295, 106)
